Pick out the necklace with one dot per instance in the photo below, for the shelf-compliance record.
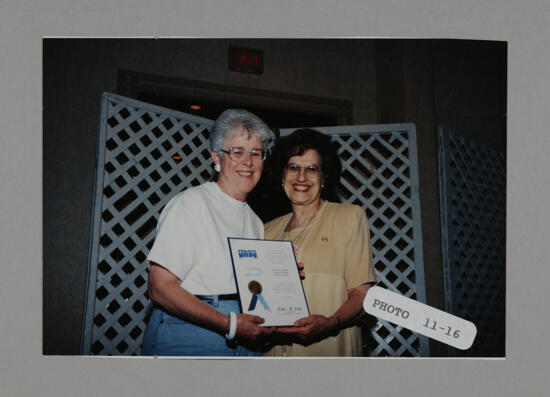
(299, 237)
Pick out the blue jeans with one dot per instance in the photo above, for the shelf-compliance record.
(167, 335)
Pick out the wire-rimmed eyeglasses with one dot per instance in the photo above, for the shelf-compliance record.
(311, 171)
(238, 154)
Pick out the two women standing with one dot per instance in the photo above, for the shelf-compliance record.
(191, 279)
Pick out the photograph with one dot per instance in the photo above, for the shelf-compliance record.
(383, 161)
(277, 198)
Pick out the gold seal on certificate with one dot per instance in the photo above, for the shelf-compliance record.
(255, 287)
(268, 281)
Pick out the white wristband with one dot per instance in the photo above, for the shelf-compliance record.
(232, 326)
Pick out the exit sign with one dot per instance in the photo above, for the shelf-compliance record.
(246, 60)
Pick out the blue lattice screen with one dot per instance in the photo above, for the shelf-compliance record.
(473, 212)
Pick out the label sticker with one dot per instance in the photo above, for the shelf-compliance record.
(420, 318)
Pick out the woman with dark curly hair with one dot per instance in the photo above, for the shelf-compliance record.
(332, 241)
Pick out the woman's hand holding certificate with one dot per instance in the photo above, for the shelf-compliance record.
(312, 327)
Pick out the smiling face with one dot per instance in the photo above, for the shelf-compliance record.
(304, 188)
(237, 179)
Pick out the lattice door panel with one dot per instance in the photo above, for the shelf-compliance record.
(146, 154)
(380, 174)
(473, 212)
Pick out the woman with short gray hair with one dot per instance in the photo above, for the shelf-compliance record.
(233, 119)
(191, 277)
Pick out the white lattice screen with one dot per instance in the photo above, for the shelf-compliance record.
(146, 154)
(141, 149)
(473, 211)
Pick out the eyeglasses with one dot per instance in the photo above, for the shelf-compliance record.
(294, 169)
(238, 154)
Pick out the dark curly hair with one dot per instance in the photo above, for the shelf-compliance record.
(296, 144)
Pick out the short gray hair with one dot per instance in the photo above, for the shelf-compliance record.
(231, 120)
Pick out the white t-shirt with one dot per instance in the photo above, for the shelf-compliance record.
(192, 234)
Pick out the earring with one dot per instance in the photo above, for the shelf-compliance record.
(217, 167)
(322, 186)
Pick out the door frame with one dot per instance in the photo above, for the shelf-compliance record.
(131, 84)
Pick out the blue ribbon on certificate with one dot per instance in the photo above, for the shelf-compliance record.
(255, 298)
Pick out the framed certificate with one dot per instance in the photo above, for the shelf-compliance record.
(268, 281)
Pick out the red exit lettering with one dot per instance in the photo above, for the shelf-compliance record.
(246, 60)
